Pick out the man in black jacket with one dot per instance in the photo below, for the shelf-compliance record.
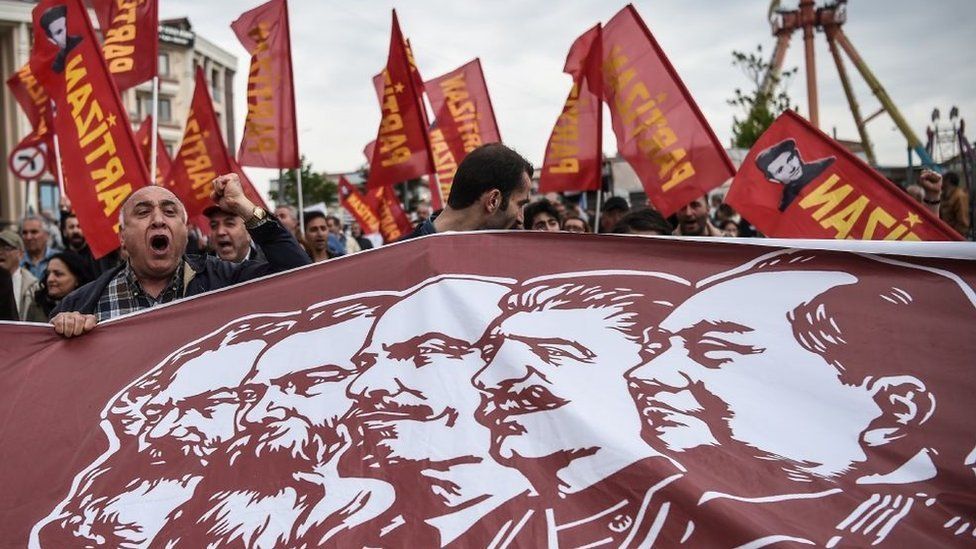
(154, 235)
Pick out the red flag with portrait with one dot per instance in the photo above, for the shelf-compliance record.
(163, 161)
(98, 150)
(574, 155)
(131, 45)
(202, 155)
(660, 130)
(402, 147)
(270, 131)
(797, 182)
(355, 203)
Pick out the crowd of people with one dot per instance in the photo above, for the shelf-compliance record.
(161, 257)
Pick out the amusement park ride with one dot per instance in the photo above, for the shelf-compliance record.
(829, 19)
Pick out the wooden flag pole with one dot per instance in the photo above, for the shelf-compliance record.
(57, 162)
(599, 206)
(155, 130)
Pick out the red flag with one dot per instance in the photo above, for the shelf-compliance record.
(797, 182)
(270, 131)
(444, 161)
(202, 155)
(403, 150)
(393, 220)
(574, 154)
(355, 203)
(98, 150)
(163, 161)
(34, 100)
(131, 46)
(462, 109)
(659, 128)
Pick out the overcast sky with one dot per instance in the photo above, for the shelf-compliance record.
(922, 53)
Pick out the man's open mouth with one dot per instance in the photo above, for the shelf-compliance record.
(386, 410)
(159, 243)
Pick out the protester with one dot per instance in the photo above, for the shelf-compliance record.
(357, 233)
(66, 272)
(614, 209)
(729, 228)
(74, 240)
(693, 220)
(541, 215)
(573, 223)
(335, 227)
(8, 304)
(22, 281)
(954, 209)
(153, 232)
(423, 212)
(231, 240)
(321, 244)
(288, 218)
(646, 221)
(36, 239)
(490, 189)
(916, 191)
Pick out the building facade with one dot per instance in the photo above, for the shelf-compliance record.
(180, 52)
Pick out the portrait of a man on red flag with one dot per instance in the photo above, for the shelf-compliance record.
(783, 164)
(54, 21)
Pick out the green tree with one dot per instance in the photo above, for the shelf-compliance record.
(761, 107)
(315, 187)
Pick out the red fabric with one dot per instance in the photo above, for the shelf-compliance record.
(202, 155)
(659, 128)
(765, 394)
(462, 113)
(445, 162)
(402, 151)
(393, 221)
(270, 131)
(35, 102)
(837, 195)
(355, 203)
(163, 161)
(98, 150)
(131, 32)
(574, 155)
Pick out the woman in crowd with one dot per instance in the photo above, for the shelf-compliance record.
(575, 224)
(66, 272)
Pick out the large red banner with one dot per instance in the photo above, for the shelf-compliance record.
(163, 162)
(659, 128)
(131, 32)
(270, 131)
(574, 155)
(355, 203)
(98, 150)
(797, 182)
(402, 147)
(202, 155)
(462, 113)
(487, 392)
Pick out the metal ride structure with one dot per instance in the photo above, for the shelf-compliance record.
(829, 19)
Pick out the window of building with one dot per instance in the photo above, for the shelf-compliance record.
(165, 108)
(215, 85)
(164, 64)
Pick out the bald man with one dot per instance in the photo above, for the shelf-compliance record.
(154, 235)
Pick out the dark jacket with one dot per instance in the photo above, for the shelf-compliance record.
(208, 273)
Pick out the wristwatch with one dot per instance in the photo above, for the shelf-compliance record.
(258, 217)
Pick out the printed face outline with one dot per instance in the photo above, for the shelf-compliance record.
(410, 358)
(57, 32)
(197, 410)
(786, 167)
(551, 367)
(714, 357)
(298, 386)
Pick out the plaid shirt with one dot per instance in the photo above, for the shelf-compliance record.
(124, 295)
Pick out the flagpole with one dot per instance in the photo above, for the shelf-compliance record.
(57, 161)
(599, 205)
(301, 201)
(155, 130)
